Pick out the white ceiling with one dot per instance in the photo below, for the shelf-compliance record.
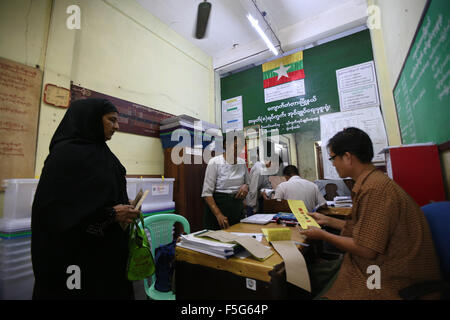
(233, 43)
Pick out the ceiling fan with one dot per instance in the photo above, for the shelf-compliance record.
(204, 9)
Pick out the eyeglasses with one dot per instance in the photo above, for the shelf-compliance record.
(332, 158)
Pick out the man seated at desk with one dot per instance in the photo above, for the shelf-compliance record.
(296, 188)
(388, 231)
(225, 186)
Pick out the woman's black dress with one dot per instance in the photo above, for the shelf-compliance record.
(72, 217)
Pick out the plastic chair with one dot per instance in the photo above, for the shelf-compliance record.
(160, 227)
(438, 217)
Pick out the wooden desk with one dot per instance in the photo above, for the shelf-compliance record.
(200, 276)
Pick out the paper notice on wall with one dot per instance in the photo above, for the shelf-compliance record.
(232, 118)
(357, 87)
(20, 99)
(369, 120)
(285, 91)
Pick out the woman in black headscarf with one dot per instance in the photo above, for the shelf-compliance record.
(81, 209)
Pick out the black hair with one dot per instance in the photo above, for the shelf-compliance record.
(354, 141)
(290, 171)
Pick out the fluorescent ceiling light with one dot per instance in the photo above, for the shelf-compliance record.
(255, 25)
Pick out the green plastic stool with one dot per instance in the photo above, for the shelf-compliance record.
(160, 227)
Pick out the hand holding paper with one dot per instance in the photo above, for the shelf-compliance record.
(139, 200)
(126, 214)
(313, 233)
(321, 219)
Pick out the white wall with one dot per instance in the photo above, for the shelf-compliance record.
(121, 50)
(23, 30)
(399, 21)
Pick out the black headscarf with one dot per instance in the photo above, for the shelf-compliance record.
(82, 122)
(81, 181)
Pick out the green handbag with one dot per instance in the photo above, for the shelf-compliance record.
(140, 261)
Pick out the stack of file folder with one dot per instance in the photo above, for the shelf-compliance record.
(343, 202)
(209, 247)
(202, 135)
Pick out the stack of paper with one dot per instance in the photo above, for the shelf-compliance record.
(188, 125)
(343, 202)
(260, 218)
(210, 247)
(257, 250)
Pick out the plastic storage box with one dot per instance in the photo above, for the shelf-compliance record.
(133, 187)
(160, 194)
(12, 247)
(15, 228)
(16, 271)
(19, 196)
(160, 197)
(18, 286)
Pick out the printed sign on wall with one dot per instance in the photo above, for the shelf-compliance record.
(133, 118)
(232, 114)
(20, 92)
(357, 86)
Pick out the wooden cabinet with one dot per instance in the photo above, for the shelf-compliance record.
(188, 185)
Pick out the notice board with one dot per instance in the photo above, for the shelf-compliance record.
(296, 106)
(422, 89)
(20, 92)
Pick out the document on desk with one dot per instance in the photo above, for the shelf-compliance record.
(213, 248)
(257, 250)
(295, 264)
(257, 236)
(259, 218)
(244, 253)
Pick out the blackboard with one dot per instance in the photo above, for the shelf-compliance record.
(320, 64)
(422, 89)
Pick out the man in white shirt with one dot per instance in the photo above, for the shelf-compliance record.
(224, 188)
(296, 188)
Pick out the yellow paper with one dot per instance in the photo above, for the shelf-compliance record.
(277, 234)
(299, 210)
